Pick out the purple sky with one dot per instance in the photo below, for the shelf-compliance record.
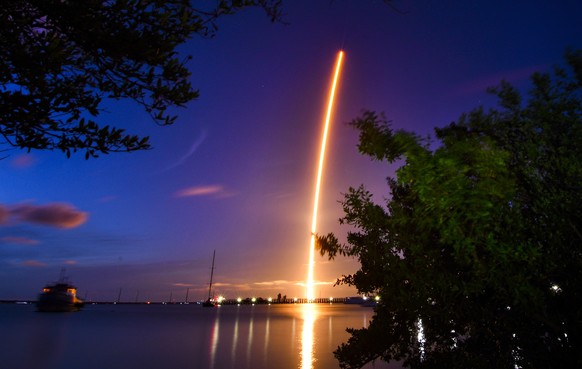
(236, 172)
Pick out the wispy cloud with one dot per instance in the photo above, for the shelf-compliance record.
(278, 282)
(18, 240)
(183, 285)
(33, 263)
(232, 286)
(195, 145)
(4, 214)
(222, 284)
(209, 190)
(23, 161)
(59, 215)
(317, 283)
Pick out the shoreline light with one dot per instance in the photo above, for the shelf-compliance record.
(309, 283)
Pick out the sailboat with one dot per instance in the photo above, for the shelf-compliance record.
(211, 302)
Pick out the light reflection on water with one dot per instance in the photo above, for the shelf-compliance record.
(214, 339)
(187, 336)
(309, 312)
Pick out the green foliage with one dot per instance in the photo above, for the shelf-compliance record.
(59, 59)
(480, 239)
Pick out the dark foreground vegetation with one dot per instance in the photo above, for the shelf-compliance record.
(478, 247)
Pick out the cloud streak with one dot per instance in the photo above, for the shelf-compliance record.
(179, 284)
(19, 240)
(23, 161)
(58, 215)
(34, 263)
(210, 190)
(190, 152)
(4, 214)
(274, 283)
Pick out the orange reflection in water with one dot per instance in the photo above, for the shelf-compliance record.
(234, 338)
(309, 315)
(250, 340)
(214, 340)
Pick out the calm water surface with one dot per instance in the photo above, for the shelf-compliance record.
(172, 336)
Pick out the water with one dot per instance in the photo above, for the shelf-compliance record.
(178, 336)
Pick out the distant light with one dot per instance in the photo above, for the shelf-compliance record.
(254, 299)
(269, 299)
(295, 299)
(377, 298)
(364, 298)
(239, 300)
(556, 288)
(331, 299)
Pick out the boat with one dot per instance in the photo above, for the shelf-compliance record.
(211, 302)
(59, 297)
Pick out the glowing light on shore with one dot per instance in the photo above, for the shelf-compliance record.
(332, 91)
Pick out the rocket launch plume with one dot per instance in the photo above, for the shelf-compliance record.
(332, 91)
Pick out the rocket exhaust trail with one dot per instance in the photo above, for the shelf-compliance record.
(332, 91)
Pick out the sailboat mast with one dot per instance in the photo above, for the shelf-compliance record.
(211, 274)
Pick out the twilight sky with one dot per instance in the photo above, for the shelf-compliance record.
(236, 172)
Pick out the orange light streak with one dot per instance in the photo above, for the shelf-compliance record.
(332, 91)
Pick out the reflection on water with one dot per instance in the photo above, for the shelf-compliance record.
(309, 312)
(249, 339)
(234, 339)
(186, 336)
(214, 339)
(267, 330)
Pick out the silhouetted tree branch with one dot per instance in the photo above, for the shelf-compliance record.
(59, 59)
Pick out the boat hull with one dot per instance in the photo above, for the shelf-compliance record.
(209, 303)
(58, 303)
(59, 298)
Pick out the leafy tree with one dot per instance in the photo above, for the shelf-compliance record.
(59, 59)
(479, 246)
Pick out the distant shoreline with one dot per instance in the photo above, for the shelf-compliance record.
(247, 301)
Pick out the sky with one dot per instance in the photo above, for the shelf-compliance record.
(236, 172)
